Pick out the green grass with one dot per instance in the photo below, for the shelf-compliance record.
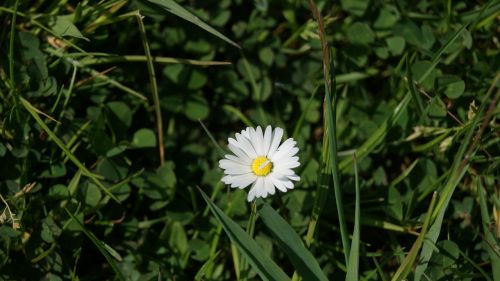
(115, 113)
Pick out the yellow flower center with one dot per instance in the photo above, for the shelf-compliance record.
(261, 166)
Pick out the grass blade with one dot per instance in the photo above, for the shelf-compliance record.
(34, 112)
(407, 264)
(154, 89)
(353, 264)
(138, 58)
(304, 262)
(176, 9)
(330, 125)
(96, 74)
(488, 235)
(412, 89)
(379, 135)
(239, 114)
(262, 264)
(459, 167)
(101, 246)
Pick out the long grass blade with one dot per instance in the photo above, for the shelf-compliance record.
(138, 58)
(330, 109)
(353, 264)
(105, 249)
(407, 264)
(176, 9)
(303, 261)
(459, 167)
(154, 89)
(379, 135)
(488, 235)
(262, 264)
(33, 111)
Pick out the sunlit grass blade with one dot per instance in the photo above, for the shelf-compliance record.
(176, 9)
(208, 264)
(412, 89)
(33, 111)
(329, 108)
(101, 246)
(459, 167)
(96, 74)
(291, 244)
(262, 264)
(407, 264)
(239, 114)
(353, 264)
(379, 135)
(488, 235)
(108, 59)
(298, 125)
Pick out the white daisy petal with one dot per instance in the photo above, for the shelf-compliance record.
(289, 143)
(259, 138)
(244, 180)
(276, 139)
(254, 139)
(267, 140)
(269, 186)
(230, 164)
(227, 179)
(293, 177)
(257, 188)
(245, 145)
(288, 184)
(291, 164)
(251, 193)
(234, 172)
(245, 133)
(283, 172)
(279, 185)
(280, 154)
(246, 161)
(238, 152)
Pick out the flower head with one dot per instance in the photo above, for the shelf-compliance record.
(259, 160)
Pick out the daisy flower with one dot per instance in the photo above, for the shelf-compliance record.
(259, 160)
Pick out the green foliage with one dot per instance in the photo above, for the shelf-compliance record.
(113, 112)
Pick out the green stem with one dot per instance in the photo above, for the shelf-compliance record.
(11, 54)
(250, 230)
(154, 88)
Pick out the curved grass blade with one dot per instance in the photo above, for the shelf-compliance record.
(262, 264)
(458, 169)
(239, 114)
(330, 113)
(407, 265)
(34, 112)
(96, 74)
(304, 262)
(154, 89)
(105, 249)
(176, 9)
(374, 140)
(488, 235)
(353, 264)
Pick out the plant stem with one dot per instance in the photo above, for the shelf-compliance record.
(154, 88)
